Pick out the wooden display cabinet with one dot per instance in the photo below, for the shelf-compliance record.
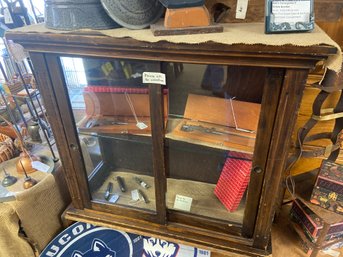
(186, 132)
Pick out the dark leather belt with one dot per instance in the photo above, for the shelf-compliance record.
(332, 82)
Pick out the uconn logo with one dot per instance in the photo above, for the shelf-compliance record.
(154, 247)
(86, 240)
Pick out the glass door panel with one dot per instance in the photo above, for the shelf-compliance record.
(210, 139)
(112, 115)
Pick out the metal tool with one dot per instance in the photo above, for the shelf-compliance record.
(108, 191)
(28, 181)
(143, 195)
(121, 184)
(213, 131)
(97, 123)
(191, 128)
(8, 179)
(141, 182)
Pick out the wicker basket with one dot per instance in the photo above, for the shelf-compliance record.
(6, 148)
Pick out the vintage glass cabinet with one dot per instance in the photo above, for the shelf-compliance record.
(197, 158)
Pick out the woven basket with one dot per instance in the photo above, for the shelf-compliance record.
(6, 148)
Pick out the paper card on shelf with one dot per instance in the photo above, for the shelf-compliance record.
(241, 9)
(135, 195)
(141, 125)
(154, 78)
(331, 252)
(113, 198)
(183, 203)
(8, 16)
(40, 166)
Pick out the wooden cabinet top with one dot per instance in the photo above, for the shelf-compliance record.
(243, 44)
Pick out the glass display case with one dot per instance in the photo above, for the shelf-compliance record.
(196, 157)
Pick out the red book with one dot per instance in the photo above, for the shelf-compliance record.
(233, 180)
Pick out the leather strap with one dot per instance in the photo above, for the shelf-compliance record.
(330, 151)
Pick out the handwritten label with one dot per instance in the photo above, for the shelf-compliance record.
(40, 166)
(291, 11)
(141, 125)
(183, 203)
(114, 198)
(154, 78)
(7, 16)
(135, 195)
(241, 9)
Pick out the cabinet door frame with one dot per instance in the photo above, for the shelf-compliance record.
(76, 174)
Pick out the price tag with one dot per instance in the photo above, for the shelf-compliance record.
(141, 125)
(40, 166)
(183, 203)
(135, 195)
(154, 78)
(8, 16)
(241, 9)
(113, 198)
(332, 252)
(107, 68)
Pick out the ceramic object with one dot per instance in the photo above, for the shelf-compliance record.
(175, 4)
(76, 14)
(134, 14)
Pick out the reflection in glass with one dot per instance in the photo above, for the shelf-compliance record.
(111, 110)
(210, 138)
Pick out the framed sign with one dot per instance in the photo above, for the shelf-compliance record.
(284, 16)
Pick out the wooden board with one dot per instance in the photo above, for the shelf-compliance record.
(158, 29)
(218, 111)
(233, 140)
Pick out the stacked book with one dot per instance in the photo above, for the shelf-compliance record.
(311, 224)
(328, 189)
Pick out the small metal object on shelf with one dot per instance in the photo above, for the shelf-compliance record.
(28, 182)
(8, 179)
(121, 184)
(143, 195)
(108, 191)
(141, 182)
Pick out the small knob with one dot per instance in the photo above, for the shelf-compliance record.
(257, 170)
(73, 147)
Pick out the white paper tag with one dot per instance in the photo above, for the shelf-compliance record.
(331, 252)
(183, 203)
(7, 16)
(154, 78)
(291, 11)
(141, 125)
(114, 198)
(203, 253)
(135, 195)
(241, 9)
(40, 166)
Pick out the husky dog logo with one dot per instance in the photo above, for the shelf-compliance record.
(99, 249)
(154, 247)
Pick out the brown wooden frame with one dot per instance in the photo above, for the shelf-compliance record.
(288, 67)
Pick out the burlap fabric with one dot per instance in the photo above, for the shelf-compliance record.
(238, 33)
(37, 210)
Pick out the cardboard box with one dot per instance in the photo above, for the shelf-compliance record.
(328, 189)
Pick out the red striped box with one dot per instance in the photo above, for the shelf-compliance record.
(233, 180)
